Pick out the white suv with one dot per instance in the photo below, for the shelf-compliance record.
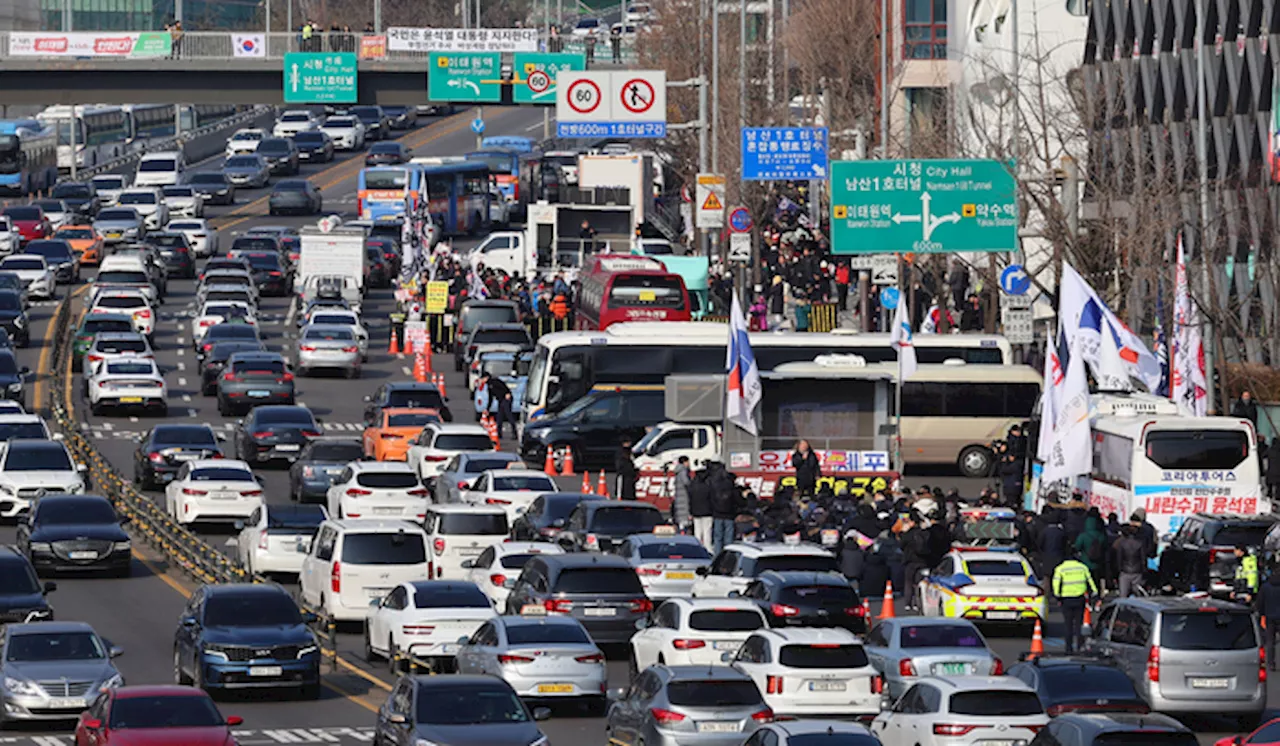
(439, 441)
(377, 489)
(738, 564)
(292, 122)
(695, 632)
(811, 672)
(459, 533)
(353, 563)
(149, 202)
(160, 170)
(956, 710)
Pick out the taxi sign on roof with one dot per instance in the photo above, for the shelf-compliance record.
(664, 530)
(533, 610)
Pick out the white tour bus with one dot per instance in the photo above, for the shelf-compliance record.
(102, 133)
(1147, 454)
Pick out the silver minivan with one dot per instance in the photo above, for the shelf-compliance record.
(1186, 655)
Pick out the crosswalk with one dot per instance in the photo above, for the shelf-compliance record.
(245, 737)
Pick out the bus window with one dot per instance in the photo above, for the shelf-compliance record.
(647, 291)
(1197, 449)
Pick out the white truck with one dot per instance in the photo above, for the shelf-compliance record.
(662, 446)
(523, 253)
(335, 254)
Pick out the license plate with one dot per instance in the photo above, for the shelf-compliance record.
(289, 447)
(82, 555)
(259, 394)
(1000, 743)
(1001, 615)
(827, 686)
(952, 669)
(730, 646)
(722, 727)
(376, 592)
(66, 703)
(386, 511)
(224, 495)
(185, 456)
(131, 400)
(555, 688)
(1210, 683)
(266, 671)
(600, 612)
(679, 576)
(114, 234)
(470, 551)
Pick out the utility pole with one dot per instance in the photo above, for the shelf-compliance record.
(267, 18)
(177, 10)
(715, 85)
(377, 16)
(66, 15)
(1202, 157)
(884, 79)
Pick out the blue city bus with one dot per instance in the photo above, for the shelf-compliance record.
(458, 196)
(388, 192)
(520, 145)
(504, 170)
(28, 156)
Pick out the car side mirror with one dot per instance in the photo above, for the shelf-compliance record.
(368, 399)
(24, 371)
(189, 622)
(642, 624)
(735, 594)
(116, 651)
(542, 713)
(464, 640)
(122, 520)
(234, 720)
(397, 718)
(702, 571)
(222, 437)
(468, 564)
(1166, 538)
(82, 468)
(93, 724)
(49, 587)
(558, 523)
(615, 694)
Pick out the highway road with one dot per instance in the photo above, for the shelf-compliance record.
(140, 613)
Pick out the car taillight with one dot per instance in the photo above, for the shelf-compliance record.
(263, 434)
(189, 491)
(350, 349)
(262, 540)
(311, 433)
(419, 492)
(229, 376)
(877, 684)
(558, 605)
(763, 716)
(434, 459)
(307, 348)
(783, 610)
(642, 606)
(649, 571)
(856, 611)
(390, 436)
(95, 358)
(1262, 664)
(953, 729)
(206, 322)
(773, 685)
(287, 377)
(207, 346)
(592, 541)
(417, 629)
(251, 493)
(462, 485)
(274, 273)
(155, 457)
(498, 579)
(997, 667)
(438, 546)
(335, 578)
(143, 314)
(496, 501)
(357, 492)
(1153, 664)
(590, 658)
(216, 455)
(688, 644)
(665, 717)
(906, 667)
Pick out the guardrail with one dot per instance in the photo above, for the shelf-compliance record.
(147, 522)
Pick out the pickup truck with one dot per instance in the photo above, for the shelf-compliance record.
(662, 447)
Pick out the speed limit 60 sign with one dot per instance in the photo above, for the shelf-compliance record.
(580, 96)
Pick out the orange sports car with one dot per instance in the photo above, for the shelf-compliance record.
(84, 240)
(388, 439)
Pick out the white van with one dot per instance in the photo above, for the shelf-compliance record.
(458, 533)
(160, 169)
(354, 563)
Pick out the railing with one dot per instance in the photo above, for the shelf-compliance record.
(216, 45)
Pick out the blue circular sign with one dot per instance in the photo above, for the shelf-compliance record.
(477, 125)
(889, 297)
(740, 220)
(1014, 280)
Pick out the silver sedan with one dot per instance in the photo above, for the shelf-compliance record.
(541, 657)
(326, 346)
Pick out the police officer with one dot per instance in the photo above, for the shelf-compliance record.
(1073, 585)
(1246, 581)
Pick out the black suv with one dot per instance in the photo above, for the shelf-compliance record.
(807, 599)
(163, 451)
(79, 197)
(600, 591)
(475, 313)
(1114, 729)
(601, 525)
(1201, 554)
(280, 154)
(405, 394)
(1079, 683)
(595, 425)
(547, 515)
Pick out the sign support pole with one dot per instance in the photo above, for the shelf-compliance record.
(546, 123)
(897, 388)
(480, 116)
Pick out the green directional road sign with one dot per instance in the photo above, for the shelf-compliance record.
(923, 206)
(530, 87)
(320, 77)
(465, 77)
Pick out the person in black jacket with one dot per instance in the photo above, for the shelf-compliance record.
(1273, 468)
(626, 469)
(1267, 603)
(915, 557)
(700, 507)
(1129, 557)
(807, 467)
(1010, 468)
(1246, 408)
(726, 503)
(1053, 542)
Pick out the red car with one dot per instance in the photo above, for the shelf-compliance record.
(154, 715)
(1267, 734)
(29, 221)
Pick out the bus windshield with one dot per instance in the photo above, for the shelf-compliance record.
(9, 153)
(397, 178)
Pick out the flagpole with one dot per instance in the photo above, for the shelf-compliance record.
(897, 389)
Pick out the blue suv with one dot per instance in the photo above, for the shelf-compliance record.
(243, 636)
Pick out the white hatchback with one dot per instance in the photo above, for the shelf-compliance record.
(953, 710)
(222, 490)
(425, 619)
(131, 303)
(440, 441)
(513, 490)
(696, 632)
(458, 533)
(127, 382)
(378, 489)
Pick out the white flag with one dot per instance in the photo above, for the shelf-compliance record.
(901, 339)
(249, 45)
(1086, 320)
(1189, 386)
(742, 389)
(1070, 451)
(1054, 378)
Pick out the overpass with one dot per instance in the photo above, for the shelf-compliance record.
(206, 69)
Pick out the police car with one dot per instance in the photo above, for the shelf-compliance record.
(983, 586)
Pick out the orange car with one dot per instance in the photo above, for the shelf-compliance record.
(85, 241)
(388, 440)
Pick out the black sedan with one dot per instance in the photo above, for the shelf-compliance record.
(296, 196)
(57, 253)
(807, 599)
(320, 462)
(166, 448)
(380, 274)
(21, 595)
(13, 318)
(547, 516)
(386, 154)
(314, 146)
(79, 197)
(75, 533)
(275, 432)
(215, 361)
(269, 272)
(390, 251)
(1079, 683)
(214, 186)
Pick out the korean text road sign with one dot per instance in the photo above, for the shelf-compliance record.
(536, 75)
(408, 39)
(923, 206)
(630, 103)
(1019, 324)
(709, 201)
(883, 268)
(784, 153)
(320, 77)
(465, 77)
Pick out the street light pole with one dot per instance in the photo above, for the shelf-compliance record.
(715, 85)
(884, 79)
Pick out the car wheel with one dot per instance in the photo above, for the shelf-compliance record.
(633, 668)
(975, 462)
(163, 411)
(393, 658)
(369, 654)
(223, 408)
(95, 408)
(179, 676)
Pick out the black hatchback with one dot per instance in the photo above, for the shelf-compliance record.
(176, 249)
(314, 146)
(22, 597)
(215, 361)
(163, 451)
(275, 432)
(807, 599)
(1079, 683)
(600, 591)
(13, 318)
(547, 515)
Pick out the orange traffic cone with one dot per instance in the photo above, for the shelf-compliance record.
(567, 468)
(408, 345)
(426, 344)
(1037, 640)
(393, 347)
(601, 487)
(439, 382)
(886, 608)
(1088, 615)
(549, 466)
(586, 482)
(426, 355)
(420, 368)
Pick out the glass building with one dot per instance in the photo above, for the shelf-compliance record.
(150, 15)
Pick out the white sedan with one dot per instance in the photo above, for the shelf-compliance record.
(277, 537)
(34, 273)
(425, 619)
(340, 317)
(127, 382)
(378, 489)
(202, 236)
(439, 441)
(149, 203)
(962, 710)
(216, 312)
(496, 569)
(513, 490)
(213, 490)
(132, 303)
(696, 632)
(183, 201)
(347, 132)
(245, 141)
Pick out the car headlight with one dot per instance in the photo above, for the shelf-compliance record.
(215, 651)
(424, 742)
(122, 546)
(21, 686)
(15, 387)
(112, 683)
(308, 650)
(7, 489)
(539, 432)
(41, 546)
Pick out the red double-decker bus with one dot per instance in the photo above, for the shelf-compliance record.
(624, 287)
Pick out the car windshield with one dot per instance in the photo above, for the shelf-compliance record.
(195, 711)
(831, 738)
(49, 458)
(726, 620)
(22, 213)
(55, 646)
(273, 146)
(823, 656)
(251, 243)
(625, 519)
(251, 136)
(674, 550)
(291, 186)
(537, 634)
(452, 442)
(23, 431)
(109, 215)
(523, 484)
(797, 563)
(93, 326)
(473, 524)
(107, 182)
(244, 161)
(1207, 630)
(1147, 738)
(713, 693)
(167, 240)
(72, 190)
(500, 336)
(983, 568)
(388, 480)
(1072, 682)
(250, 610)
(469, 705)
(385, 147)
(224, 350)
(122, 277)
(339, 122)
(207, 178)
(339, 335)
(221, 474)
(295, 116)
(327, 318)
(941, 636)
(22, 264)
(17, 577)
(309, 138)
(186, 226)
(226, 309)
(477, 465)
(178, 191)
(1236, 534)
(338, 453)
(822, 595)
(415, 399)
(267, 366)
(415, 419)
(298, 417)
(384, 549)
(75, 233)
(184, 436)
(263, 261)
(117, 346)
(74, 511)
(158, 164)
(996, 703)
(120, 301)
(450, 597)
(130, 369)
(598, 580)
(10, 301)
(295, 516)
(230, 331)
(138, 198)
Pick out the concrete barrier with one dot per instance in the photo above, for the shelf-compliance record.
(196, 145)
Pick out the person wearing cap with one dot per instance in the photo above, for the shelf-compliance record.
(1146, 532)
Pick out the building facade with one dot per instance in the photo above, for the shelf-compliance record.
(147, 15)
